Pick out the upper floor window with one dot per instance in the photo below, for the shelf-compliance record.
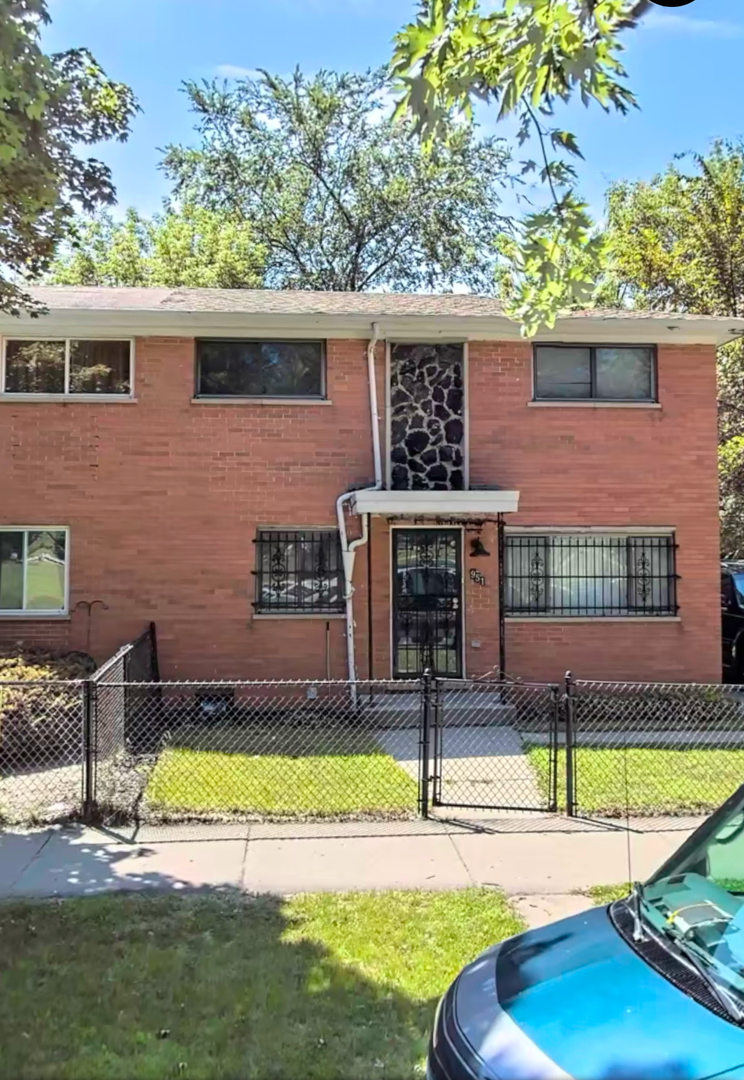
(600, 373)
(228, 368)
(67, 366)
(33, 571)
(590, 575)
(299, 572)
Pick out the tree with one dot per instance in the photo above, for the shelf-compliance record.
(338, 195)
(190, 246)
(524, 57)
(50, 105)
(677, 244)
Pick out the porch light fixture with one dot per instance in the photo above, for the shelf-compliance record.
(477, 549)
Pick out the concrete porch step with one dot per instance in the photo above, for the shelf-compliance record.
(486, 710)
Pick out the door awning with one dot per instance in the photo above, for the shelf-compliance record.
(433, 503)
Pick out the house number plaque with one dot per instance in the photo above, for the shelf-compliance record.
(477, 577)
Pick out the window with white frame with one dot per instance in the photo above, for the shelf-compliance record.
(67, 366)
(33, 571)
(568, 575)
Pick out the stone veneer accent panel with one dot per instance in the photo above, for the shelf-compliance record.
(427, 410)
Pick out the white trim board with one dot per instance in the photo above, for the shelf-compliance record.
(434, 503)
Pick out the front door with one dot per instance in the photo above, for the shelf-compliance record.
(427, 602)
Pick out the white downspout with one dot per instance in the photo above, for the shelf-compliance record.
(348, 550)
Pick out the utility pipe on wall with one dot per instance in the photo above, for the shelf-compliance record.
(348, 549)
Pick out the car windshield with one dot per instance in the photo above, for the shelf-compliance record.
(697, 898)
(739, 586)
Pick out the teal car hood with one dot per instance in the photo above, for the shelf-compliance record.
(574, 1000)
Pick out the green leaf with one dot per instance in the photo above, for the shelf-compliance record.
(566, 140)
(50, 105)
(528, 53)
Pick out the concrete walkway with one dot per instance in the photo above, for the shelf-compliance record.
(537, 868)
(480, 765)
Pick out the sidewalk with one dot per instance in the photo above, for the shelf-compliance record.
(532, 860)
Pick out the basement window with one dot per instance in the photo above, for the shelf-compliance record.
(67, 367)
(33, 571)
(298, 572)
(239, 368)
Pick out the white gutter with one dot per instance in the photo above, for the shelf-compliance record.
(348, 550)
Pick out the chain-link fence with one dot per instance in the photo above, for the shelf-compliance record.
(41, 750)
(495, 744)
(645, 750)
(264, 751)
(124, 746)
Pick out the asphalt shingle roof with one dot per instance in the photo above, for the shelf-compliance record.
(298, 302)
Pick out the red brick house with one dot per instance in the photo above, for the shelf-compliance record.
(205, 459)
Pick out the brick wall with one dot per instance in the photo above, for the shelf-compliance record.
(611, 467)
(163, 498)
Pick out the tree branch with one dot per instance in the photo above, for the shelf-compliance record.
(548, 173)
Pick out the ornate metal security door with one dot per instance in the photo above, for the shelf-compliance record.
(427, 602)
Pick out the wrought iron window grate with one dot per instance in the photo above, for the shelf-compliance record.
(590, 575)
(298, 571)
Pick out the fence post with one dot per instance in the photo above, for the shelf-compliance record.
(89, 795)
(570, 701)
(154, 661)
(553, 755)
(424, 730)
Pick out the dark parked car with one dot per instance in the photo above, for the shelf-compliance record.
(732, 616)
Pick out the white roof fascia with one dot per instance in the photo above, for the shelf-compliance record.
(420, 328)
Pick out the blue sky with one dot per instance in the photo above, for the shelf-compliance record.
(684, 66)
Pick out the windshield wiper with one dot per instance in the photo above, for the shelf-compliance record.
(635, 903)
(688, 955)
(671, 939)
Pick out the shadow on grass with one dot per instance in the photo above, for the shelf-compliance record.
(202, 984)
(211, 983)
(285, 741)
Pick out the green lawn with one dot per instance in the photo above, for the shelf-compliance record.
(352, 777)
(659, 781)
(317, 986)
(607, 894)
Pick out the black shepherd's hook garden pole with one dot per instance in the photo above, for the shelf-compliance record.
(89, 605)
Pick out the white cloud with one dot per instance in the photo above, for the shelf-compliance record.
(234, 71)
(673, 23)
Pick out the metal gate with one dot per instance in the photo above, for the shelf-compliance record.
(491, 745)
(427, 602)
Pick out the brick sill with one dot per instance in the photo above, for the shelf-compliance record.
(260, 401)
(593, 405)
(29, 616)
(68, 399)
(567, 620)
(289, 615)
